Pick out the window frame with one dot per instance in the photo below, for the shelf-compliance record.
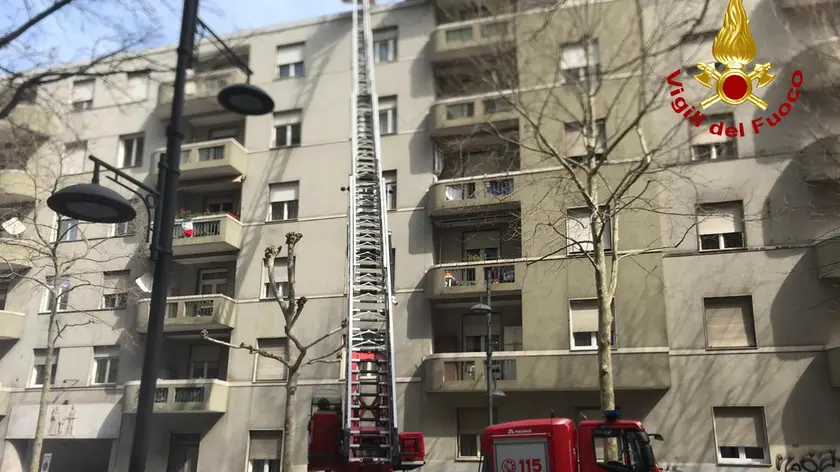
(459, 434)
(33, 373)
(390, 44)
(286, 204)
(74, 230)
(294, 69)
(742, 461)
(137, 159)
(578, 127)
(724, 141)
(82, 105)
(283, 343)
(387, 106)
(108, 354)
(145, 75)
(390, 189)
(46, 297)
(739, 204)
(116, 293)
(750, 304)
(593, 335)
(576, 249)
(266, 466)
(592, 53)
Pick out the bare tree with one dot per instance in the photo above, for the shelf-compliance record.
(298, 351)
(586, 121)
(30, 61)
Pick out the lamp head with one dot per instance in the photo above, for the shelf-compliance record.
(91, 202)
(246, 99)
(498, 393)
(480, 309)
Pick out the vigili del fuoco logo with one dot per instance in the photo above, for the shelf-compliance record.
(735, 48)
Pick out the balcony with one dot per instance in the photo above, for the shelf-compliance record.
(26, 117)
(212, 159)
(539, 370)
(11, 325)
(16, 186)
(5, 401)
(191, 313)
(15, 255)
(473, 195)
(834, 366)
(182, 396)
(468, 116)
(201, 92)
(480, 37)
(828, 258)
(793, 4)
(468, 279)
(818, 63)
(211, 234)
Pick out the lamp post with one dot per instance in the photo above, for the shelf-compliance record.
(492, 391)
(97, 204)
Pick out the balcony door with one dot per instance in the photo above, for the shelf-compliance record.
(205, 361)
(183, 453)
(219, 204)
(212, 281)
(482, 245)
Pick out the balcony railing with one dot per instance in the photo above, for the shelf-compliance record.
(481, 36)
(182, 396)
(541, 370)
(26, 117)
(828, 258)
(207, 234)
(464, 116)
(16, 252)
(469, 278)
(16, 186)
(11, 323)
(201, 91)
(212, 159)
(192, 313)
(464, 197)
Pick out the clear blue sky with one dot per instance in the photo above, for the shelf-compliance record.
(71, 34)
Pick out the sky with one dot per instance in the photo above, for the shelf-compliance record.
(72, 35)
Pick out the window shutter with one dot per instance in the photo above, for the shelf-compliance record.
(584, 316)
(116, 281)
(83, 90)
(472, 420)
(40, 357)
(281, 273)
(387, 103)
(390, 177)
(573, 140)
(577, 229)
(701, 135)
(138, 85)
(283, 192)
(266, 445)
(693, 51)
(739, 426)
(271, 369)
(290, 54)
(385, 34)
(201, 353)
(720, 218)
(287, 118)
(73, 161)
(573, 56)
(482, 240)
(729, 322)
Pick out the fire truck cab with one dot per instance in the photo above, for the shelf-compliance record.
(556, 445)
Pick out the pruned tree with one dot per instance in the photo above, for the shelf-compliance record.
(30, 59)
(574, 88)
(299, 352)
(55, 256)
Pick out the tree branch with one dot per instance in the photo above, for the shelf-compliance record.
(245, 347)
(325, 359)
(6, 39)
(325, 336)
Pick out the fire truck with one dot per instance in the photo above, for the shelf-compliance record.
(555, 444)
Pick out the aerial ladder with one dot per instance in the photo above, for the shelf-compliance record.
(367, 437)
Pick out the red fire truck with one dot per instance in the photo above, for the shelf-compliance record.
(556, 445)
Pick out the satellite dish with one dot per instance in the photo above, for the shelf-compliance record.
(145, 282)
(14, 227)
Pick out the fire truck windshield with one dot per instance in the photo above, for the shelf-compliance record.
(631, 449)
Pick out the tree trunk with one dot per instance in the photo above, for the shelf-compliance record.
(289, 423)
(35, 464)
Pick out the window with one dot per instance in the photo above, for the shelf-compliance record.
(265, 451)
(390, 177)
(698, 48)
(39, 371)
(741, 435)
(460, 110)
(106, 363)
(287, 129)
(63, 297)
(721, 226)
(283, 201)
(729, 322)
(385, 45)
(482, 245)
(138, 86)
(82, 94)
(583, 316)
(4, 293)
(115, 289)
(496, 105)
(471, 423)
(579, 233)
(392, 269)
(67, 229)
(707, 146)
(576, 145)
(123, 229)
(281, 276)
(131, 151)
(267, 368)
(212, 281)
(493, 30)
(387, 115)
(290, 61)
(459, 35)
(577, 58)
(73, 161)
(204, 361)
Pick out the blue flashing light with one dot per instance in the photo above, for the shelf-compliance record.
(612, 415)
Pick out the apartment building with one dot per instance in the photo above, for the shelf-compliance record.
(725, 339)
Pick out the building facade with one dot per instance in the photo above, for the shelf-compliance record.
(725, 338)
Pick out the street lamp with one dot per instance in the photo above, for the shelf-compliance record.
(492, 391)
(91, 202)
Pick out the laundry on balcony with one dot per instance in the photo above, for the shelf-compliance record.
(187, 228)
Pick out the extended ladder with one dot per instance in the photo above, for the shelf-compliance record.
(370, 420)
